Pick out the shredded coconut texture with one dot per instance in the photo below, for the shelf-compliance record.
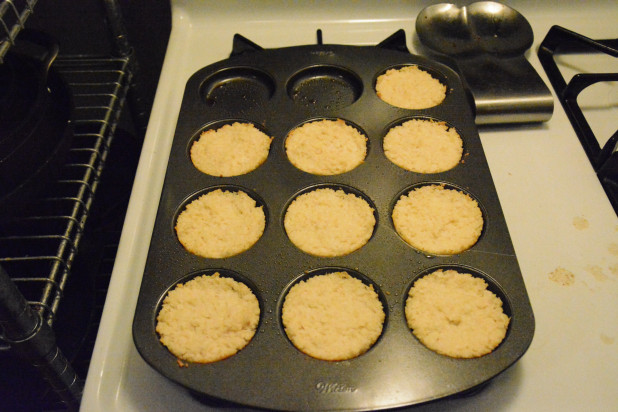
(423, 146)
(438, 221)
(455, 315)
(220, 224)
(410, 88)
(207, 319)
(326, 147)
(232, 150)
(327, 222)
(333, 317)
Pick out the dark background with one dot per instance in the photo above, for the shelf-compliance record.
(82, 28)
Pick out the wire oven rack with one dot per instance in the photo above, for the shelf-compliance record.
(54, 230)
(38, 250)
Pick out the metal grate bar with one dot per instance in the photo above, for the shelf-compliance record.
(13, 16)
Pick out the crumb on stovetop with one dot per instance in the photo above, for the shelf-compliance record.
(562, 276)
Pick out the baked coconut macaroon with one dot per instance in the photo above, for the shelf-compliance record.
(437, 220)
(326, 147)
(208, 318)
(333, 316)
(232, 150)
(327, 222)
(454, 314)
(410, 87)
(220, 224)
(423, 146)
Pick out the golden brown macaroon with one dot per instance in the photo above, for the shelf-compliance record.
(208, 318)
(231, 150)
(410, 88)
(437, 220)
(326, 147)
(220, 224)
(327, 222)
(423, 146)
(333, 317)
(455, 315)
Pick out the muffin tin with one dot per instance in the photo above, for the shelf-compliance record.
(277, 90)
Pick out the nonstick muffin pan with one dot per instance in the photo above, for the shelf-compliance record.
(277, 90)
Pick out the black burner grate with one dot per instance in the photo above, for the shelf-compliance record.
(604, 159)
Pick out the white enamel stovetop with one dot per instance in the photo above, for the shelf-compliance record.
(559, 218)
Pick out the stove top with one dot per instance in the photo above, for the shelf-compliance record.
(563, 227)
